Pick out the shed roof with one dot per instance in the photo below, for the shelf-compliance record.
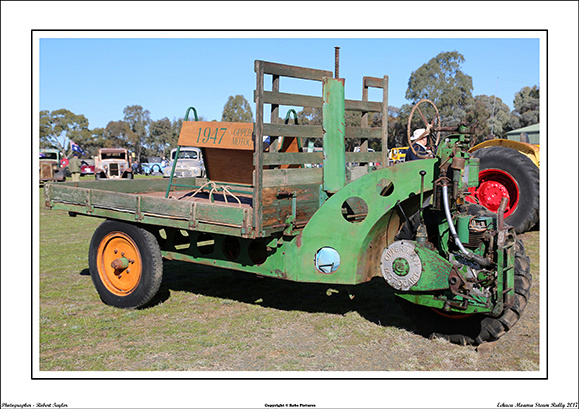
(528, 129)
(532, 131)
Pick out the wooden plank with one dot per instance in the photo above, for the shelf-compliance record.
(288, 177)
(229, 165)
(258, 152)
(363, 157)
(274, 116)
(363, 106)
(159, 220)
(294, 71)
(276, 207)
(282, 98)
(168, 207)
(365, 115)
(299, 131)
(294, 158)
(385, 161)
(222, 135)
(219, 213)
(120, 201)
(67, 194)
(369, 133)
(119, 185)
(373, 82)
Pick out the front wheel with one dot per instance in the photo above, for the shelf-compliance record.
(125, 264)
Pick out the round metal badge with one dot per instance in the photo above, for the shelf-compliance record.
(401, 266)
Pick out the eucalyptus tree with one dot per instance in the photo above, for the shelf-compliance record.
(138, 120)
(526, 110)
(441, 81)
(237, 109)
(160, 137)
(59, 127)
(491, 116)
(116, 135)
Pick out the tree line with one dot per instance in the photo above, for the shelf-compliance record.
(439, 80)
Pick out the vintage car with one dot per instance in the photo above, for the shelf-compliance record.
(51, 169)
(154, 165)
(113, 163)
(189, 163)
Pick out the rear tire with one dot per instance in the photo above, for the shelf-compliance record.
(488, 329)
(134, 284)
(507, 170)
(470, 329)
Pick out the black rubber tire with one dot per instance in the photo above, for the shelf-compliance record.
(151, 265)
(525, 173)
(478, 328)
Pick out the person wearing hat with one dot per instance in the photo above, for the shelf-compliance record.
(74, 167)
(419, 139)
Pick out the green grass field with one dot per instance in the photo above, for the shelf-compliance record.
(208, 319)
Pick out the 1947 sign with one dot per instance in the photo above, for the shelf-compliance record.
(227, 135)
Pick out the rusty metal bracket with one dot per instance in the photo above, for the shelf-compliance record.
(502, 231)
(138, 214)
(88, 202)
(192, 215)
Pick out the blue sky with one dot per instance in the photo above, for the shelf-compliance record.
(99, 77)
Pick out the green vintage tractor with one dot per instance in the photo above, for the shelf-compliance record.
(330, 216)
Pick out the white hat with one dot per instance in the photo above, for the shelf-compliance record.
(418, 133)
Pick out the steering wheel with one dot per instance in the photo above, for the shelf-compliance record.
(432, 142)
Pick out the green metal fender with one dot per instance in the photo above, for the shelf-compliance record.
(359, 244)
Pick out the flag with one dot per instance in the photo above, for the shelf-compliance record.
(76, 148)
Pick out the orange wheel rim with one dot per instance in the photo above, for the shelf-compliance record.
(118, 250)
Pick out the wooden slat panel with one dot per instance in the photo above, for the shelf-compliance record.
(369, 133)
(277, 208)
(222, 135)
(161, 206)
(219, 213)
(286, 177)
(300, 131)
(363, 106)
(294, 72)
(229, 165)
(282, 98)
(362, 157)
(374, 82)
(66, 194)
(121, 201)
(297, 158)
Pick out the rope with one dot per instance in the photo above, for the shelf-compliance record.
(215, 188)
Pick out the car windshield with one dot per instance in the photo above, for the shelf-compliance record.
(113, 155)
(186, 155)
(49, 155)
